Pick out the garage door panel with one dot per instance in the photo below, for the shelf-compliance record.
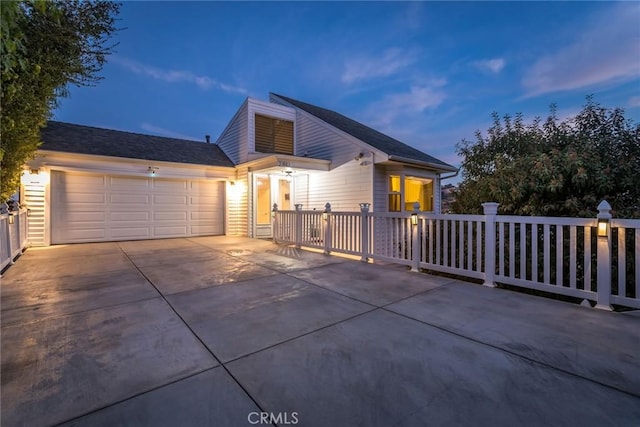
(100, 208)
(130, 199)
(169, 199)
(85, 235)
(170, 231)
(84, 198)
(131, 233)
(170, 216)
(83, 217)
(88, 181)
(165, 186)
(129, 216)
(128, 184)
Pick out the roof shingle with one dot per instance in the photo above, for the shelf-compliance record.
(72, 138)
(382, 142)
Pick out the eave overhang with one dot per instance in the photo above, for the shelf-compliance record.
(278, 162)
(438, 167)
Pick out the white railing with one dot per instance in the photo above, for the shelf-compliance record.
(452, 244)
(564, 256)
(13, 236)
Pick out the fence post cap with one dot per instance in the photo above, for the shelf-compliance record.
(298, 206)
(416, 207)
(275, 207)
(327, 207)
(604, 209)
(490, 208)
(364, 207)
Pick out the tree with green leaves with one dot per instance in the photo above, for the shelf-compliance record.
(45, 47)
(554, 168)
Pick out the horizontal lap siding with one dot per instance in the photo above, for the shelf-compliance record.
(301, 190)
(34, 197)
(233, 140)
(238, 206)
(344, 187)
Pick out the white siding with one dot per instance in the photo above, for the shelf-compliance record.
(345, 187)
(238, 205)
(437, 196)
(233, 140)
(34, 197)
(301, 190)
(380, 189)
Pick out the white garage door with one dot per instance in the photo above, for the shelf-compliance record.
(94, 208)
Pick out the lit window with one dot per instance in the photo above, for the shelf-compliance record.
(395, 195)
(415, 190)
(418, 190)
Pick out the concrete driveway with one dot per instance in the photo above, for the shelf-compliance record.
(220, 331)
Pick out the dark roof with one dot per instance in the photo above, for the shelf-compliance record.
(382, 142)
(71, 138)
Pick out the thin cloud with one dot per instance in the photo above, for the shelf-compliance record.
(607, 51)
(176, 76)
(634, 101)
(414, 102)
(366, 67)
(494, 65)
(148, 127)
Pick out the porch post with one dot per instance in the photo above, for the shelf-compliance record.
(298, 225)
(326, 215)
(364, 222)
(490, 212)
(274, 223)
(415, 238)
(604, 257)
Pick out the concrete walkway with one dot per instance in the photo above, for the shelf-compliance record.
(220, 331)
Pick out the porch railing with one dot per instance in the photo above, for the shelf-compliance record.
(566, 256)
(13, 236)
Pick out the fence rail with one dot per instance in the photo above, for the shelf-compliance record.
(596, 259)
(13, 236)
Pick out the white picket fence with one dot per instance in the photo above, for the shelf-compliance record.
(13, 236)
(557, 255)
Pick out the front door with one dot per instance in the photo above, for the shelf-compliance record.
(269, 189)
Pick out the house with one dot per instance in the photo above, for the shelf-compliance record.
(89, 184)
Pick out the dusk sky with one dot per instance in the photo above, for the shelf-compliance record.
(428, 74)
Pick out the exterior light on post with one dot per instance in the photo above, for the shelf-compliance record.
(603, 227)
(11, 219)
(414, 218)
(152, 171)
(327, 209)
(603, 279)
(28, 212)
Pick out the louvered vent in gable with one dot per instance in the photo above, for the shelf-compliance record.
(273, 135)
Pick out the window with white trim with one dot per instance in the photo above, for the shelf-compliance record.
(405, 191)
